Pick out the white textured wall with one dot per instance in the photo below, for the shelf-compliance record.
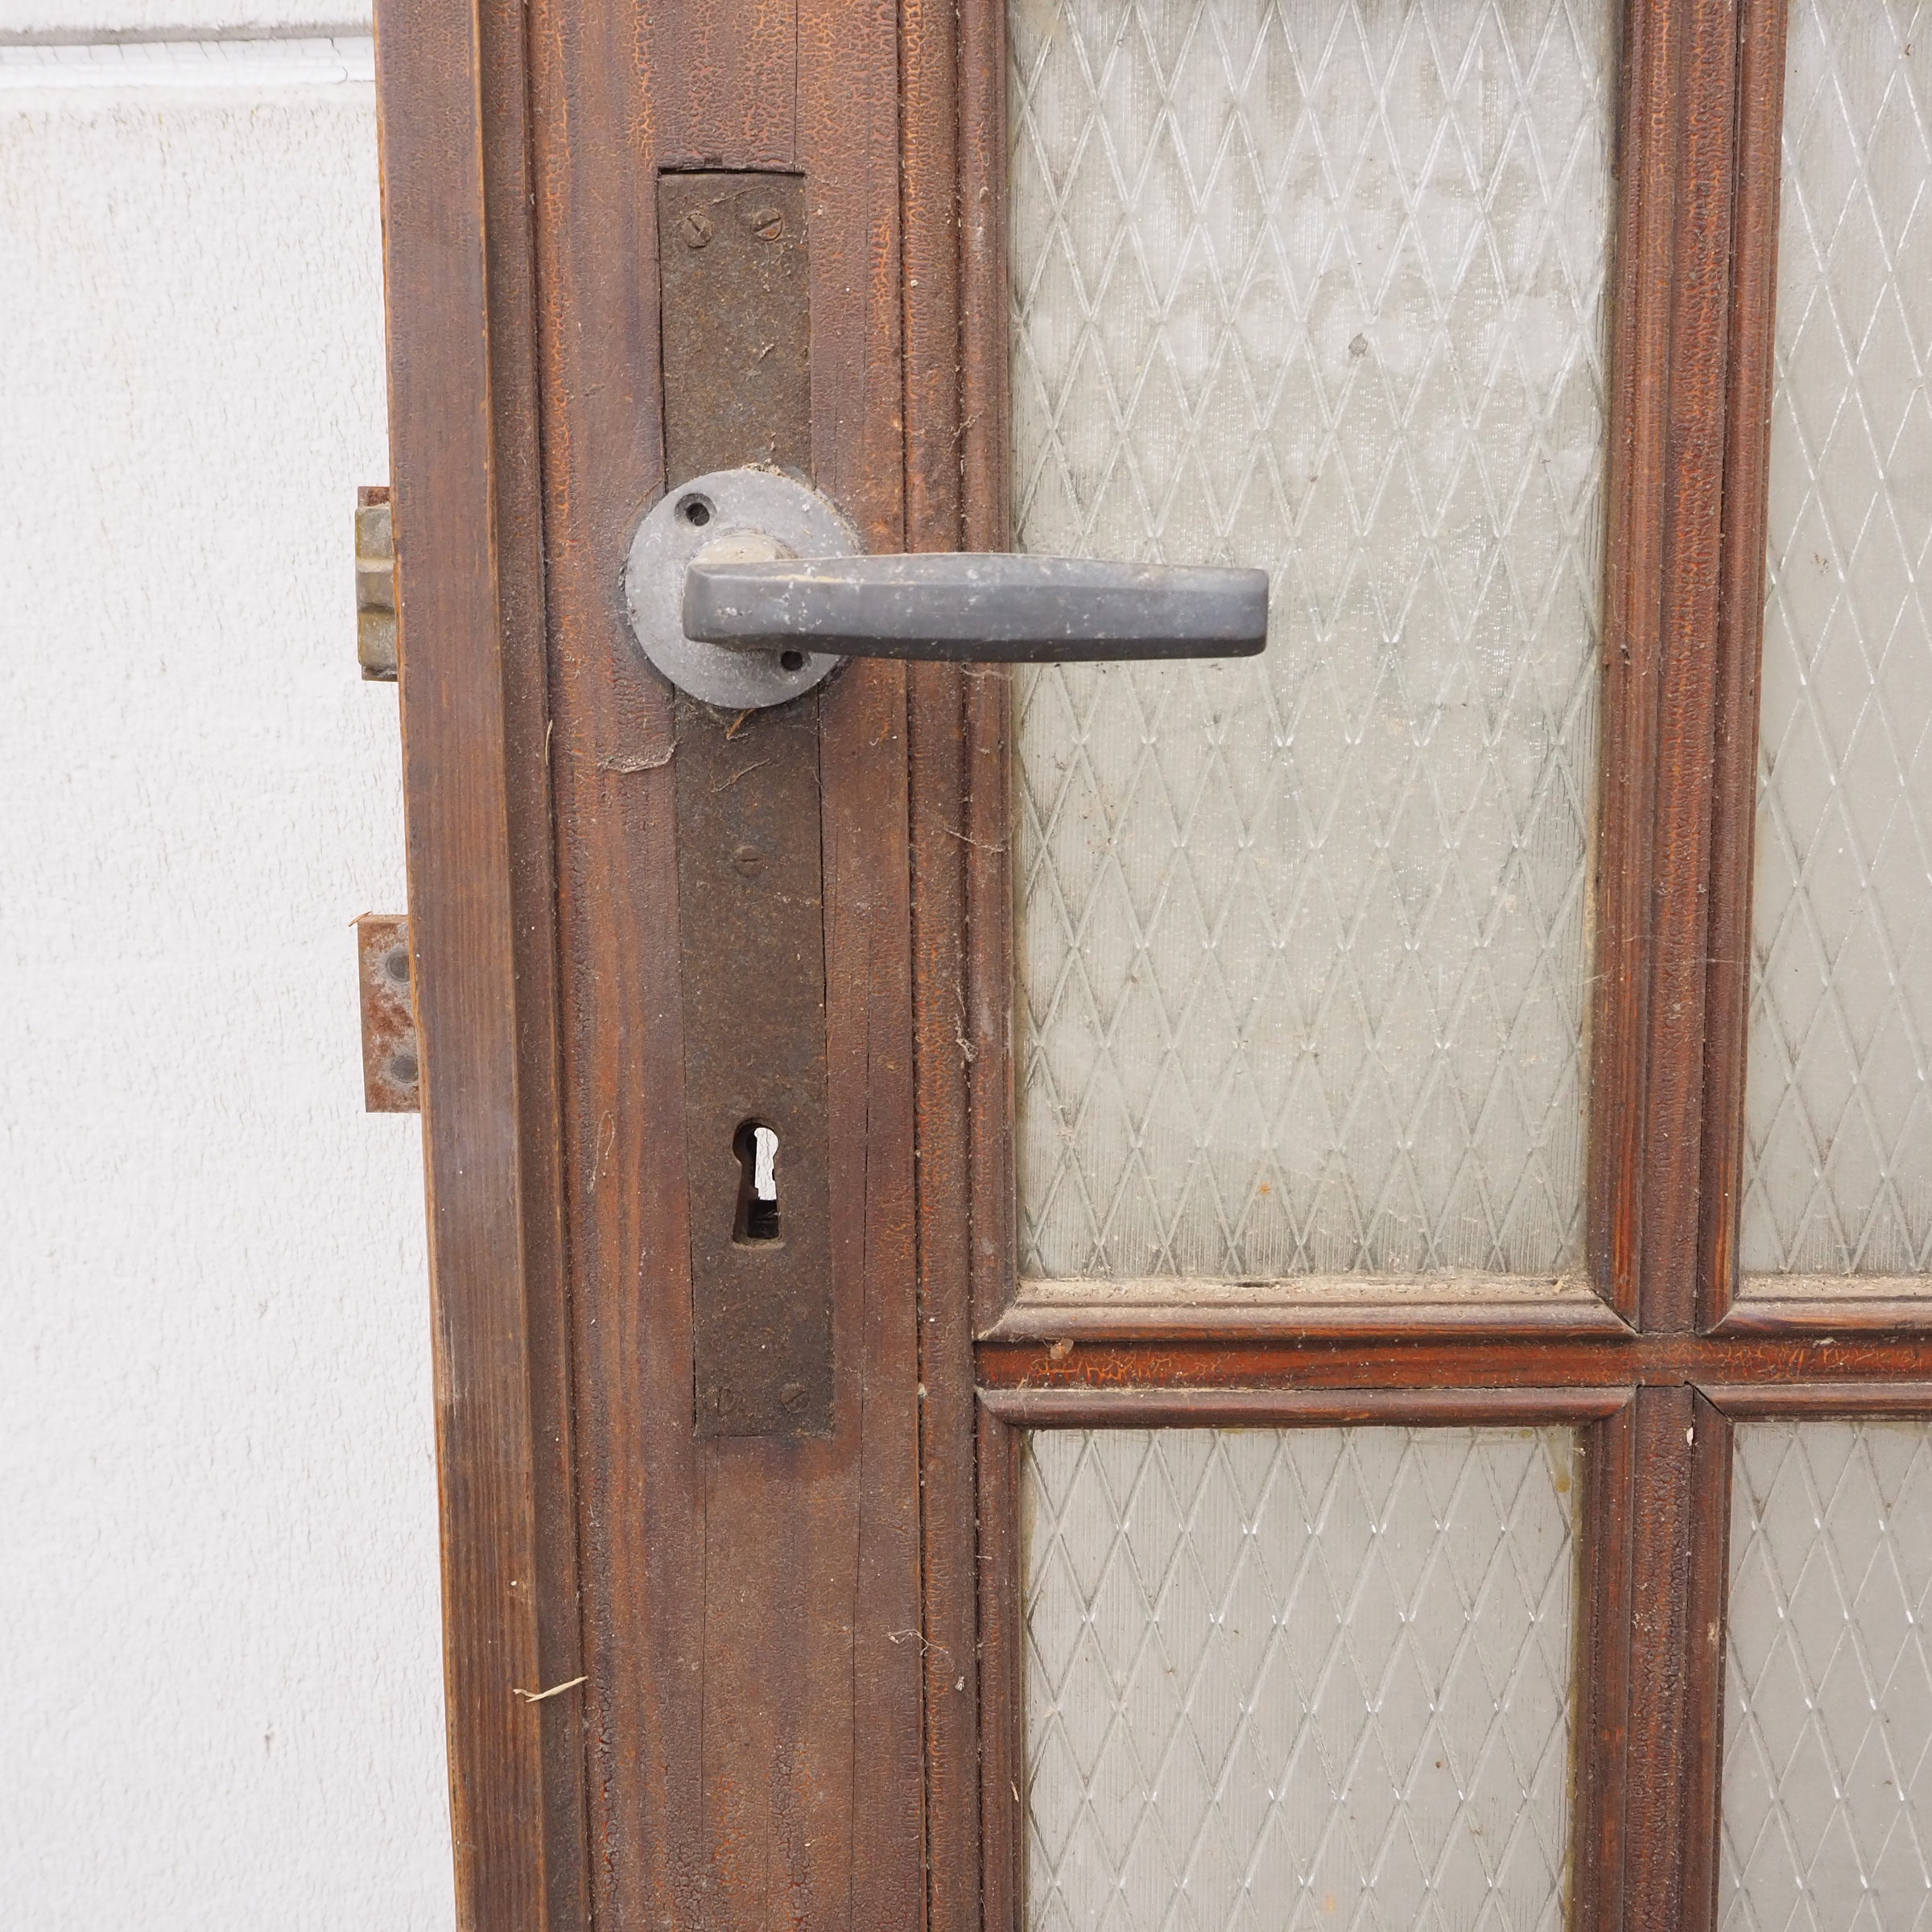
(221, 1680)
(174, 19)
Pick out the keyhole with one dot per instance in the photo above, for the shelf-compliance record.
(757, 1147)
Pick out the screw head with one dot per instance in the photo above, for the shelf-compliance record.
(695, 228)
(767, 223)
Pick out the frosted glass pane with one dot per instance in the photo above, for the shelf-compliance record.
(1827, 1804)
(1298, 1677)
(1838, 1142)
(1317, 285)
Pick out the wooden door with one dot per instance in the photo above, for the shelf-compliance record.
(797, 1675)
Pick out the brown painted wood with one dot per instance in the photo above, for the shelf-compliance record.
(1621, 886)
(1230, 1324)
(937, 744)
(987, 829)
(451, 92)
(1454, 1362)
(1647, 1800)
(1605, 1579)
(1002, 1674)
(1666, 504)
(1740, 640)
(756, 1704)
(1826, 1315)
(1296, 1408)
(804, 1659)
(1705, 1620)
(1743, 1401)
(949, 1445)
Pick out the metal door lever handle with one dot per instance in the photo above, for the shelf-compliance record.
(746, 588)
(981, 607)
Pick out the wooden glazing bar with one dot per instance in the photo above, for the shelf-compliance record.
(1740, 638)
(1298, 1408)
(1002, 1675)
(1453, 1361)
(1742, 1402)
(1699, 296)
(1704, 1626)
(1667, 501)
(987, 831)
(1829, 1313)
(1654, 1557)
(1603, 1673)
(450, 108)
(1632, 561)
(1338, 1305)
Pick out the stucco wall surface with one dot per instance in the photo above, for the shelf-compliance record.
(91, 20)
(221, 1677)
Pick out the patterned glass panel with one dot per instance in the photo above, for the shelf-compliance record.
(1298, 1677)
(1318, 285)
(1827, 1818)
(1838, 1177)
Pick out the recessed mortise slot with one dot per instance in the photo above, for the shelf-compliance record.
(757, 1147)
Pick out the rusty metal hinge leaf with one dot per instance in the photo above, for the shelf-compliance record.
(392, 1062)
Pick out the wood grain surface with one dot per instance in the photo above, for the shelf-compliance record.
(803, 1656)
(462, 414)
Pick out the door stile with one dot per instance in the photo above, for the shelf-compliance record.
(948, 1502)
(753, 1605)
(942, 755)
(459, 280)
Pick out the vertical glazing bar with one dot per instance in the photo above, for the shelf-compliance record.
(1662, 655)
(1747, 465)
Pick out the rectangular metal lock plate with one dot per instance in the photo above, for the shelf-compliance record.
(737, 390)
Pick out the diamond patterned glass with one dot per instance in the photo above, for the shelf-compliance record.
(1827, 1794)
(1317, 285)
(1839, 1139)
(1298, 1677)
